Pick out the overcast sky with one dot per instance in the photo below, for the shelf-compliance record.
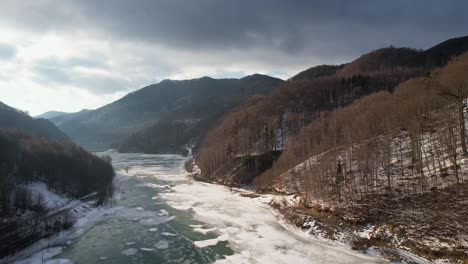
(68, 55)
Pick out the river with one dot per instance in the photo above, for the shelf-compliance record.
(160, 216)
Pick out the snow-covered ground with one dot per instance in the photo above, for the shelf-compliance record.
(48, 199)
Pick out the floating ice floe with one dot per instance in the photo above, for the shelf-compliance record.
(103, 258)
(130, 243)
(147, 249)
(129, 251)
(163, 244)
(58, 261)
(153, 229)
(139, 209)
(204, 230)
(168, 234)
(163, 213)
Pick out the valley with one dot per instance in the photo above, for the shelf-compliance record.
(233, 132)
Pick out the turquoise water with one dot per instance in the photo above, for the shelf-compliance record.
(120, 237)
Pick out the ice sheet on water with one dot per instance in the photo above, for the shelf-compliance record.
(129, 251)
(163, 213)
(255, 232)
(204, 230)
(163, 244)
(168, 234)
(153, 229)
(41, 256)
(58, 261)
(147, 249)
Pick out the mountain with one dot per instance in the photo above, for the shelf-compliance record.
(398, 59)
(377, 146)
(59, 119)
(264, 125)
(316, 72)
(50, 114)
(388, 159)
(188, 101)
(14, 118)
(41, 181)
(440, 54)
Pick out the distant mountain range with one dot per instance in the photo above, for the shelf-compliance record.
(50, 114)
(191, 102)
(166, 116)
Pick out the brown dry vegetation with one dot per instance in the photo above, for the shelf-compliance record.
(389, 151)
(354, 136)
(266, 123)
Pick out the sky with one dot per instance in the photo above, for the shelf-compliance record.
(68, 55)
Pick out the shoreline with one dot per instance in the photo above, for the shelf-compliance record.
(371, 239)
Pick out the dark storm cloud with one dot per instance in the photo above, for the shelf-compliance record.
(6, 51)
(329, 28)
(286, 26)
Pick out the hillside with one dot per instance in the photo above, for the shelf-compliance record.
(266, 124)
(41, 181)
(188, 101)
(389, 160)
(400, 59)
(60, 119)
(381, 164)
(14, 118)
(316, 72)
(42, 176)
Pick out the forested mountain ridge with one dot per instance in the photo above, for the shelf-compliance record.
(317, 71)
(183, 126)
(188, 101)
(14, 118)
(41, 171)
(253, 127)
(41, 180)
